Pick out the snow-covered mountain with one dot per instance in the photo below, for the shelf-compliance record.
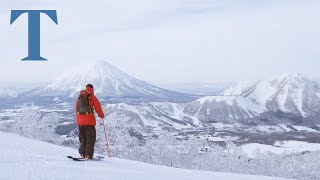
(291, 93)
(109, 83)
(282, 99)
(23, 158)
(154, 114)
(223, 109)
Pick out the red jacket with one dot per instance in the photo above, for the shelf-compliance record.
(83, 119)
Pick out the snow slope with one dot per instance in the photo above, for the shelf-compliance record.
(22, 158)
(223, 108)
(154, 114)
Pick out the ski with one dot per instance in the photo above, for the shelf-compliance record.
(76, 159)
(96, 158)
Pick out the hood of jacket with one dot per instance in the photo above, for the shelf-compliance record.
(90, 90)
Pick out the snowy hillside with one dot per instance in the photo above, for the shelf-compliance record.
(23, 158)
(155, 114)
(109, 83)
(223, 108)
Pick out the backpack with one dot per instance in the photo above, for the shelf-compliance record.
(84, 106)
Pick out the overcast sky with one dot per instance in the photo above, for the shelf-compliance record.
(167, 41)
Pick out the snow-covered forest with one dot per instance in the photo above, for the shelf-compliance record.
(165, 149)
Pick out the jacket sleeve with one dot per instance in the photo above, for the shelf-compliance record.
(97, 107)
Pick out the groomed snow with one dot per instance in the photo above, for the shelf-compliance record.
(22, 158)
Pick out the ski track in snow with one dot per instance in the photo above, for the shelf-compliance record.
(22, 158)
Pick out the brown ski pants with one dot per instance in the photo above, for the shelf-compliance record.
(87, 138)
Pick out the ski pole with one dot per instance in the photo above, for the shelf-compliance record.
(105, 134)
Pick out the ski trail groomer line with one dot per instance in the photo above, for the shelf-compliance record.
(86, 104)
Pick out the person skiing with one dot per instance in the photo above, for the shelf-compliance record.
(86, 104)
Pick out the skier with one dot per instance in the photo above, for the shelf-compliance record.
(86, 104)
